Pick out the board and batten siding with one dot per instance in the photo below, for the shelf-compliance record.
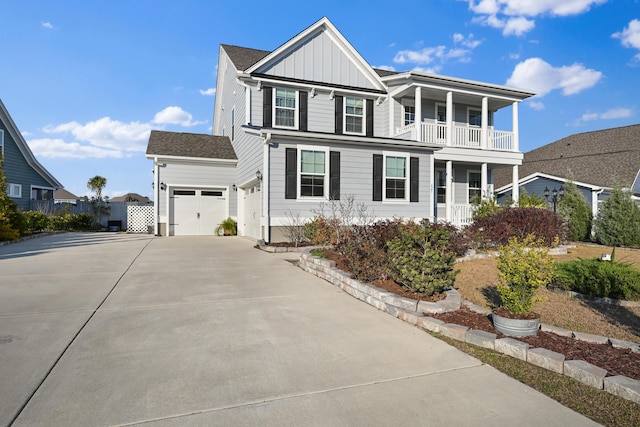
(198, 175)
(320, 60)
(18, 171)
(356, 178)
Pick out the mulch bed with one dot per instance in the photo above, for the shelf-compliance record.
(614, 360)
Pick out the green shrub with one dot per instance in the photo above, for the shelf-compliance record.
(7, 230)
(80, 222)
(526, 200)
(484, 208)
(524, 265)
(319, 231)
(597, 278)
(421, 258)
(36, 221)
(498, 229)
(575, 209)
(618, 221)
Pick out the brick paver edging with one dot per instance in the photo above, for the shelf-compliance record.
(414, 313)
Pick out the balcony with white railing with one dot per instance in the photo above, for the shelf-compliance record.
(463, 136)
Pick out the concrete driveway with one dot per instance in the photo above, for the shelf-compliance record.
(115, 329)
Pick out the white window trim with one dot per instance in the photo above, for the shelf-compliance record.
(469, 109)
(405, 104)
(11, 190)
(364, 116)
(440, 104)
(2, 143)
(300, 197)
(469, 172)
(407, 188)
(274, 108)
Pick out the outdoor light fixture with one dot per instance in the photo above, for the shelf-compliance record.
(259, 175)
(234, 188)
(556, 195)
(163, 186)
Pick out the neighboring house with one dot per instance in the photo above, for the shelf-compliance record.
(595, 161)
(131, 197)
(313, 121)
(26, 178)
(63, 196)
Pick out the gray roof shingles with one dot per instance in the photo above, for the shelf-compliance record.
(604, 158)
(181, 144)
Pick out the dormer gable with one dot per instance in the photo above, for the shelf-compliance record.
(319, 54)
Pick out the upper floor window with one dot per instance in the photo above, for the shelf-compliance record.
(285, 108)
(441, 112)
(409, 114)
(354, 112)
(475, 186)
(475, 117)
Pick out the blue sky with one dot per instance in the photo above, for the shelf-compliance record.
(85, 82)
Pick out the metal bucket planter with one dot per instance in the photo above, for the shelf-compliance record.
(515, 327)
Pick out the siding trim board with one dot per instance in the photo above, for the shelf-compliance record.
(268, 78)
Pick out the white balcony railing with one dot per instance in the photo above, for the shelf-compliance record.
(462, 214)
(463, 136)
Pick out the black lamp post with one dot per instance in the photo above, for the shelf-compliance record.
(556, 195)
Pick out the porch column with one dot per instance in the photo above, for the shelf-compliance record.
(449, 119)
(418, 107)
(484, 182)
(515, 189)
(448, 207)
(485, 124)
(514, 127)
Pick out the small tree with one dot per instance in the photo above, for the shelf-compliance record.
(531, 200)
(618, 221)
(421, 258)
(524, 266)
(12, 222)
(98, 205)
(96, 184)
(575, 209)
(484, 208)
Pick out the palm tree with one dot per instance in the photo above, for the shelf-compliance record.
(97, 183)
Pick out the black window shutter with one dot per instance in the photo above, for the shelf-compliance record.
(338, 100)
(369, 118)
(414, 180)
(377, 177)
(302, 111)
(291, 173)
(334, 175)
(267, 100)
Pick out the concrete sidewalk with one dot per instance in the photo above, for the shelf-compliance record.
(209, 331)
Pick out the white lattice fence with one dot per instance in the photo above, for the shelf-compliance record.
(139, 218)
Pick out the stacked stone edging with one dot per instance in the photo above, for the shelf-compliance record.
(412, 312)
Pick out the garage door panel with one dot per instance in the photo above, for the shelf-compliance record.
(197, 211)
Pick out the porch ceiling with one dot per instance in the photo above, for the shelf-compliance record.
(440, 95)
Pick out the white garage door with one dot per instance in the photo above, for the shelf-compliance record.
(197, 212)
(252, 203)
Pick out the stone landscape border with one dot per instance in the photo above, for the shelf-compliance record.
(414, 313)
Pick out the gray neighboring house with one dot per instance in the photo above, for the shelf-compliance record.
(595, 161)
(312, 121)
(26, 178)
(193, 182)
(63, 196)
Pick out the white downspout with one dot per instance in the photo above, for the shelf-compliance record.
(265, 215)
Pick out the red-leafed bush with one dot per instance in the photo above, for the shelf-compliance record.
(496, 230)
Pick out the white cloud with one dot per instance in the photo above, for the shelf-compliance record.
(630, 36)
(106, 137)
(47, 25)
(613, 113)
(536, 105)
(175, 116)
(107, 133)
(58, 148)
(537, 75)
(208, 92)
(439, 55)
(511, 16)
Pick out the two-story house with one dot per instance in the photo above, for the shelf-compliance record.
(27, 179)
(312, 121)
